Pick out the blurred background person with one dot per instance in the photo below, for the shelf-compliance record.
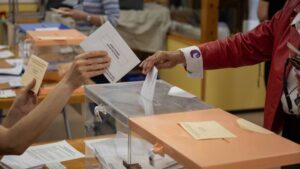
(90, 14)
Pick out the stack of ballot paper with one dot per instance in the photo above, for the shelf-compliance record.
(7, 93)
(2, 47)
(112, 152)
(206, 130)
(8, 82)
(11, 66)
(249, 126)
(4, 54)
(38, 156)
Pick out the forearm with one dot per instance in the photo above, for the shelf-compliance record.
(8, 122)
(239, 50)
(32, 125)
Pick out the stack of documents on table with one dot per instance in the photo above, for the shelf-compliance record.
(7, 93)
(2, 47)
(112, 152)
(38, 156)
(4, 53)
(8, 82)
(206, 130)
(11, 66)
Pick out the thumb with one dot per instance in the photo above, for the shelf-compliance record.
(30, 85)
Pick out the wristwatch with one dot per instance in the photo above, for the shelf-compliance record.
(88, 18)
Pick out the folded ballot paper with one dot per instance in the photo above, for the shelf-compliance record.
(36, 69)
(148, 88)
(38, 156)
(122, 57)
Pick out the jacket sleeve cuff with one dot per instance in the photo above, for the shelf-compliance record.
(194, 61)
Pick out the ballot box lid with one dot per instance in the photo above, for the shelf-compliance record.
(39, 26)
(56, 37)
(125, 101)
(246, 150)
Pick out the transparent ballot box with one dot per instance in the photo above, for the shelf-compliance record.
(54, 46)
(139, 133)
(108, 110)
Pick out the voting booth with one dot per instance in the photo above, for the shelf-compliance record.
(143, 126)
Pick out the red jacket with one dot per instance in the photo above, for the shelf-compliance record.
(266, 42)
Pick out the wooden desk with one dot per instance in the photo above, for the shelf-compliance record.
(76, 98)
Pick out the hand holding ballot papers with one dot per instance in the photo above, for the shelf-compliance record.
(23, 130)
(162, 60)
(87, 65)
(23, 104)
(122, 57)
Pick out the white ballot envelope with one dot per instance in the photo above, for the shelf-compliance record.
(247, 125)
(122, 57)
(36, 69)
(148, 88)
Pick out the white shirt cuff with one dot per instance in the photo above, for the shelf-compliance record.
(194, 61)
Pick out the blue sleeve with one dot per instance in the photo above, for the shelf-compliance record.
(112, 11)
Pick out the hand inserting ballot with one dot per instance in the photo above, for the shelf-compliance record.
(162, 60)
